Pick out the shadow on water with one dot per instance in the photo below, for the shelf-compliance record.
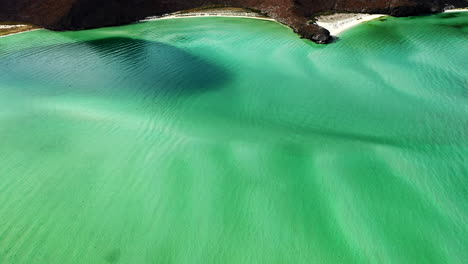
(459, 26)
(448, 15)
(117, 63)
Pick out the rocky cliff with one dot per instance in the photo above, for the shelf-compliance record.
(82, 14)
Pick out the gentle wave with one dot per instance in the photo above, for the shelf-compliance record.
(222, 140)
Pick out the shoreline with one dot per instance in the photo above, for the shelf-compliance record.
(195, 16)
(456, 10)
(335, 23)
(340, 22)
(212, 12)
(16, 33)
(9, 28)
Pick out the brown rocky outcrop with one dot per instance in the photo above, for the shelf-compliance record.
(82, 14)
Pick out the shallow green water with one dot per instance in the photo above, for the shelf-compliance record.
(222, 140)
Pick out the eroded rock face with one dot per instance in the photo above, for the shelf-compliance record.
(82, 14)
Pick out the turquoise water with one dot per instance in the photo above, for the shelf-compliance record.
(224, 140)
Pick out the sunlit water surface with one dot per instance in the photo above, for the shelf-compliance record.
(224, 140)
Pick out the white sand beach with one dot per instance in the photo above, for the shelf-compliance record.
(212, 12)
(20, 32)
(340, 22)
(12, 26)
(456, 10)
(192, 16)
(9, 29)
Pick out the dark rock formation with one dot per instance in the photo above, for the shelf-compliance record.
(82, 14)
